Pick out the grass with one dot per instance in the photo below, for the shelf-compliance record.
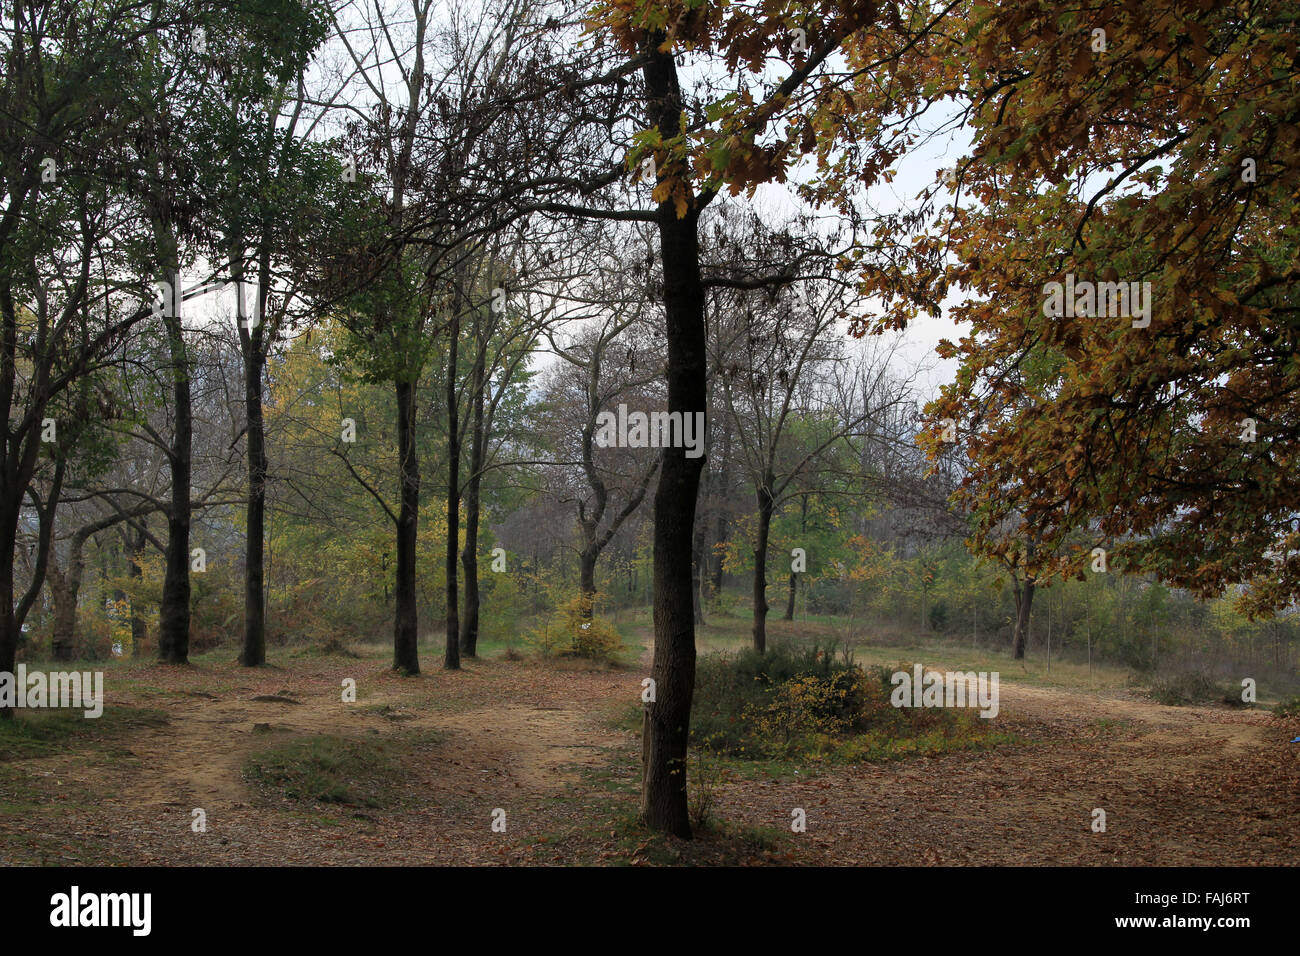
(332, 769)
(44, 733)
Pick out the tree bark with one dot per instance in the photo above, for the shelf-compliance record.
(667, 720)
(451, 659)
(21, 467)
(406, 653)
(250, 340)
(699, 557)
(587, 577)
(1024, 601)
(64, 590)
(469, 556)
(765, 508)
(789, 605)
(174, 609)
(139, 629)
(724, 486)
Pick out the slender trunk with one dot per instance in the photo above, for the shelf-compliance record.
(698, 555)
(1024, 602)
(667, 721)
(794, 580)
(9, 624)
(451, 660)
(724, 486)
(765, 508)
(254, 652)
(174, 608)
(469, 556)
(406, 653)
(174, 611)
(139, 629)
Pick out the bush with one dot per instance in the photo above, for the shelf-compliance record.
(1288, 708)
(574, 631)
(803, 702)
(1187, 687)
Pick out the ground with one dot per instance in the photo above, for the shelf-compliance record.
(417, 770)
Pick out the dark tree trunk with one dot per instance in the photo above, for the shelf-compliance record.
(254, 652)
(1024, 594)
(587, 577)
(765, 508)
(406, 652)
(699, 556)
(469, 556)
(451, 660)
(724, 486)
(15, 474)
(9, 624)
(667, 721)
(174, 611)
(139, 629)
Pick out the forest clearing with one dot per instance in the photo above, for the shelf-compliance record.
(411, 773)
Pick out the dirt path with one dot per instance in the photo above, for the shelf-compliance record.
(1178, 785)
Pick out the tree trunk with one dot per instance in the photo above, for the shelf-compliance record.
(174, 609)
(765, 508)
(254, 652)
(667, 722)
(699, 556)
(9, 624)
(406, 653)
(587, 577)
(469, 556)
(64, 591)
(139, 629)
(14, 479)
(451, 660)
(789, 604)
(65, 603)
(724, 486)
(1024, 601)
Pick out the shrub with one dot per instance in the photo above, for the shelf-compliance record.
(1187, 687)
(1288, 708)
(803, 702)
(574, 631)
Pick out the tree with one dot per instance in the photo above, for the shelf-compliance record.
(58, 318)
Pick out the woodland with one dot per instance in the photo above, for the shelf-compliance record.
(606, 397)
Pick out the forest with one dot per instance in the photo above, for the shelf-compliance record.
(564, 427)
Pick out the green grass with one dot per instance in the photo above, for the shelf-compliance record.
(43, 733)
(327, 768)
